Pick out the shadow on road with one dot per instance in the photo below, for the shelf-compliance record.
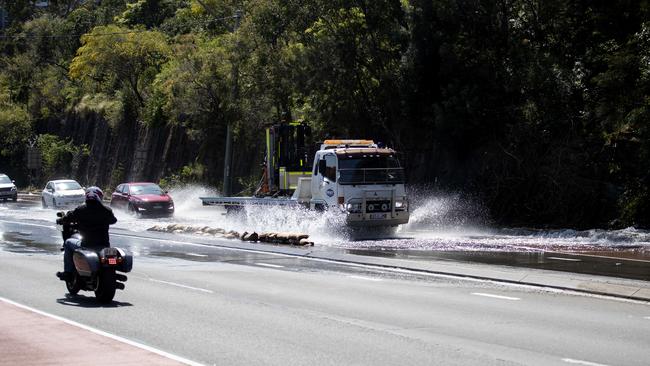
(89, 302)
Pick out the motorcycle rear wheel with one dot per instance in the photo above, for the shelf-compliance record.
(106, 287)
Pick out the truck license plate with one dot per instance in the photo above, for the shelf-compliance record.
(376, 216)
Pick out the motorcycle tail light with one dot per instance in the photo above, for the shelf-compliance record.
(112, 261)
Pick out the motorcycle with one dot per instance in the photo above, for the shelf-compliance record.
(95, 270)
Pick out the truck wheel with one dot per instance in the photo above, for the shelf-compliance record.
(106, 287)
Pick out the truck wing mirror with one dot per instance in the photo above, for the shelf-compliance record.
(321, 167)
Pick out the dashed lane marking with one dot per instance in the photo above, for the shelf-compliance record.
(269, 265)
(181, 285)
(582, 362)
(496, 296)
(366, 278)
(196, 255)
(565, 259)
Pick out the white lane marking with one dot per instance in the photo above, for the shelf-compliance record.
(581, 362)
(366, 278)
(565, 259)
(269, 265)
(105, 334)
(496, 296)
(646, 317)
(181, 285)
(28, 224)
(197, 255)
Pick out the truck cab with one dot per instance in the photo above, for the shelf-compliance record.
(360, 179)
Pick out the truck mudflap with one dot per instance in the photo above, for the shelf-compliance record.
(377, 219)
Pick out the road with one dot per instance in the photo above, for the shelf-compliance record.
(216, 305)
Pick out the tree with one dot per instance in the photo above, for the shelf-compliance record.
(115, 56)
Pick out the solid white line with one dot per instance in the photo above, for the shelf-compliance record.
(565, 259)
(105, 334)
(496, 296)
(181, 285)
(366, 278)
(269, 265)
(581, 362)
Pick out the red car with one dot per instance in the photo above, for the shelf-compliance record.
(142, 199)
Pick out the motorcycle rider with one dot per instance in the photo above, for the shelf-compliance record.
(92, 219)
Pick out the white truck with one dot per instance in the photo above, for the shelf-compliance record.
(353, 177)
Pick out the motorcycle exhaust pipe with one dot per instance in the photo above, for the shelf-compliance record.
(120, 277)
(119, 285)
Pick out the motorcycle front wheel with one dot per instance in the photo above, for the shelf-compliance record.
(106, 286)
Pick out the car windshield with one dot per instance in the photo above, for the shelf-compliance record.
(4, 179)
(146, 189)
(67, 186)
(370, 169)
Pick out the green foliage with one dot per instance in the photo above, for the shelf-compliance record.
(57, 154)
(109, 107)
(150, 13)
(115, 56)
(15, 124)
(193, 173)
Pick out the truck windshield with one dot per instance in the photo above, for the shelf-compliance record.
(373, 169)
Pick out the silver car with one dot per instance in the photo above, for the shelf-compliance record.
(8, 189)
(62, 193)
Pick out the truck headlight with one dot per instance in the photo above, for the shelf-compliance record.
(401, 205)
(353, 207)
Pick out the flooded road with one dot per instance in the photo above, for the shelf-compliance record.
(438, 229)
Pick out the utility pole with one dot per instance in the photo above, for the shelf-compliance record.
(227, 165)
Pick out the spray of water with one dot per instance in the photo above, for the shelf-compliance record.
(439, 221)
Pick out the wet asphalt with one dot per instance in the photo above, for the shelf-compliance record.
(630, 262)
(216, 301)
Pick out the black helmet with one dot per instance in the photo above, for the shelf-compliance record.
(94, 194)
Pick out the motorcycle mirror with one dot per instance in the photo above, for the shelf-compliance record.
(59, 214)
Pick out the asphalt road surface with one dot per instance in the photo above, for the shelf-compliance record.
(216, 305)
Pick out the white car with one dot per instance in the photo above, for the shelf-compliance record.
(62, 193)
(7, 188)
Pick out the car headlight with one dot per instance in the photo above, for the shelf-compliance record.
(141, 208)
(13, 188)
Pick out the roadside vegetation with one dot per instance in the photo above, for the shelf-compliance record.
(540, 108)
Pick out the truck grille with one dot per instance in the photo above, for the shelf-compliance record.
(378, 206)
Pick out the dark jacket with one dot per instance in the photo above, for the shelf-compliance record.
(92, 220)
